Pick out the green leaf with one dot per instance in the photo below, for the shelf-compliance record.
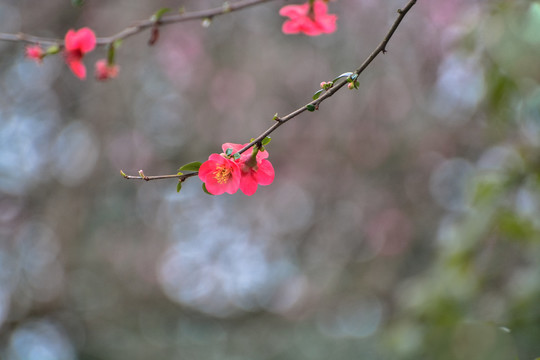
(515, 227)
(179, 186)
(159, 14)
(347, 74)
(206, 190)
(192, 166)
(317, 94)
(236, 156)
(266, 140)
(310, 107)
(53, 49)
(485, 192)
(228, 152)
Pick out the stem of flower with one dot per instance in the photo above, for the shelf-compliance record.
(311, 11)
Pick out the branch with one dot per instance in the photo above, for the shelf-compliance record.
(142, 25)
(381, 48)
(141, 176)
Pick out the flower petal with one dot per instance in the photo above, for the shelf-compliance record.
(248, 183)
(83, 40)
(206, 169)
(86, 39)
(320, 8)
(262, 155)
(70, 40)
(235, 147)
(78, 68)
(265, 173)
(327, 23)
(294, 11)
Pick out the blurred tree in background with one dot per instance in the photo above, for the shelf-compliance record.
(403, 223)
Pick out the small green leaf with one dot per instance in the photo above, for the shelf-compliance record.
(266, 140)
(236, 156)
(159, 14)
(347, 74)
(178, 186)
(53, 49)
(192, 166)
(206, 190)
(228, 152)
(515, 227)
(317, 94)
(180, 173)
(123, 174)
(310, 107)
(486, 192)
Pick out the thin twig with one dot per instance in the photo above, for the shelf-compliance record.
(381, 48)
(158, 177)
(282, 120)
(142, 25)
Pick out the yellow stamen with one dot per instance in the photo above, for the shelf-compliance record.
(222, 174)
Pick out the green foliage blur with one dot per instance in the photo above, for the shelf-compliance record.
(403, 223)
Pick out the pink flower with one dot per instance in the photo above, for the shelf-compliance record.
(220, 175)
(105, 71)
(34, 52)
(78, 43)
(312, 24)
(258, 171)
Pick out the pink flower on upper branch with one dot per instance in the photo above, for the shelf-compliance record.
(255, 170)
(34, 52)
(77, 44)
(311, 23)
(220, 175)
(105, 71)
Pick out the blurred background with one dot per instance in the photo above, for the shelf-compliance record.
(403, 222)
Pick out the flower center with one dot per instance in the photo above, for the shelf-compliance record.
(222, 174)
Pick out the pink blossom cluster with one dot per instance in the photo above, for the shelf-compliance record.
(76, 45)
(310, 18)
(224, 173)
